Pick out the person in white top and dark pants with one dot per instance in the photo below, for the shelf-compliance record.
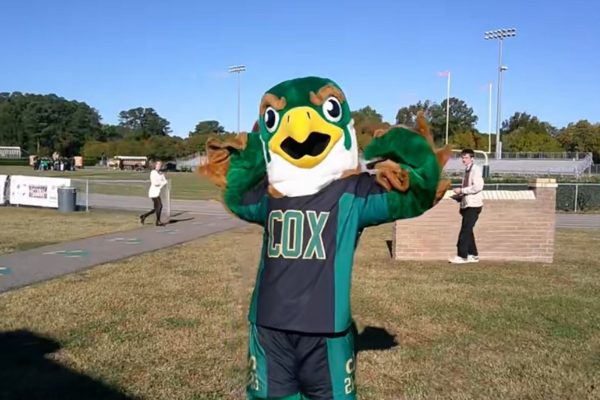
(470, 195)
(157, 182)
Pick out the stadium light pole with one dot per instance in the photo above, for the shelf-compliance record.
(447, 106)
(490, 120)
(447, 75)
(499, 34)
(238, 69)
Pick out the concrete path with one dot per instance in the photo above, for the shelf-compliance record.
(578, 221)
(117, 202)
(43, 263)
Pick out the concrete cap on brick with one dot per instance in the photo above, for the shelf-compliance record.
(502, 194)
(543, 183)
(508, 195)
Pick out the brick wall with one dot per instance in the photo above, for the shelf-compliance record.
(513, 226)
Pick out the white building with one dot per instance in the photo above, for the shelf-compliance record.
(10, 152)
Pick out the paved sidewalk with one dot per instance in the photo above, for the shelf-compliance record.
(43, 263)
(578, 221)
(120, 202)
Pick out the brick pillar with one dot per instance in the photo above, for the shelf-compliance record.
(513, 226)
(545, 194)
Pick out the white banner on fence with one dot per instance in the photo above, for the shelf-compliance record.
(2, 184)
(36, 190)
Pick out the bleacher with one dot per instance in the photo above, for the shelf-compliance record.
(190, 163)
(515, 165)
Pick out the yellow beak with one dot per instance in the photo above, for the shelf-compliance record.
(304, 138)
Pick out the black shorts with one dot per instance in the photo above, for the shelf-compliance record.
(283, 364)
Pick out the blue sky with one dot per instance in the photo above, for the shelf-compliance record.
(173, 55)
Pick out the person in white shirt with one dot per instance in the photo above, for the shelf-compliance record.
(470, 195)
(157, 182)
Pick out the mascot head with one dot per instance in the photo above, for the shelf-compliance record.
(307, 135)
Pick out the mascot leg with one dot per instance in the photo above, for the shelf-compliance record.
(260, 346)
(327, 369)
(280, 364)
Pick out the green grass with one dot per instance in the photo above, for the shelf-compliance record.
(172, 325)
(25, 228)
(184, 185)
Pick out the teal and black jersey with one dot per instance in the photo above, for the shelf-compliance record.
(304, 277)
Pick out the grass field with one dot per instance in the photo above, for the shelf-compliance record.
(172, 325)
(25, 228)
(184, 185)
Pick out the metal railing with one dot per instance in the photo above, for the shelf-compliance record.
(126, 194)
(594, 169)
(576, 167)
(543, 155)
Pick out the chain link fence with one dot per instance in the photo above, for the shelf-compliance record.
(570, 197)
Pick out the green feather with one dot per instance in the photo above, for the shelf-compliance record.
(246, 169)
(414, 154)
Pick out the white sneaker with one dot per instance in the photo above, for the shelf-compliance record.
(458, 260)
(472, 259)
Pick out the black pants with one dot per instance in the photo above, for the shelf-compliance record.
(157, 203)
(282, 363)
(466, 239)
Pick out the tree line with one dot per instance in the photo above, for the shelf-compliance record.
(521, 132)
(43, 124)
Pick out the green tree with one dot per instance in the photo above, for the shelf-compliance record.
(207, 127)
(111, 133)
(196, 140)
(11, 128)
(193, 144)
(128, 147)
(96, 149)
(581, 136)
(523, 120)
(461, 118)
(144, 123)
(162, 148)
(366, 122)
(366, 114)
(470, 140)
(525, 140)
(408, 115)
(47, 122)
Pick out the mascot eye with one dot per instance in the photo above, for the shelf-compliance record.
(332, 109)
(271, 119)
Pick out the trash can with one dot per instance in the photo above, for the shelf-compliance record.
(486, 171)
(67, 199)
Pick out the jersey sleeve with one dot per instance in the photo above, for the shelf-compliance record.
(377, 206)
